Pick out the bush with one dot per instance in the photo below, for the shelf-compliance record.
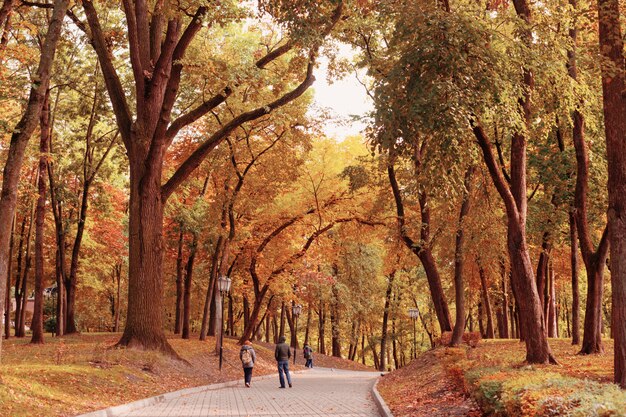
(50, 325)
(537, 393)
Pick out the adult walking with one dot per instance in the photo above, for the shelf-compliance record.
(308, 355)
(248, 357)
(282, 355)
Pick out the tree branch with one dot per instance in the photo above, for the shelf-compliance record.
(114, 86)
(495, 172)
(196, 158)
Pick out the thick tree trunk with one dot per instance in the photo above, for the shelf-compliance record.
(144, 321)
(459, 257)
(613, 85)
(20, 137)
(37, 322)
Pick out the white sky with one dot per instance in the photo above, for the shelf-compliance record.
(341, 98)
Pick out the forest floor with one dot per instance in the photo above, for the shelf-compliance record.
(494, 378)
(77, 374)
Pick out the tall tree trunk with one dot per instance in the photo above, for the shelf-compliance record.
(322, 327)
(505, 301)
(489, 332)
(18, 277)
(7, 300)
(542, 272)
(20, 137)
(374, 353)
(594, 260)
(613, 85)
(423, 252)
(60, 272)
(118, 281)
(187, 288)
(144, 321)
(575, 290)
(334, 323)
(37, 322)
(308, 325)
(210, 292)
(552, 311)
(281, 333)
(21, 320)
(178, 320)
(515, 201)
(459, 257)
(383, 335)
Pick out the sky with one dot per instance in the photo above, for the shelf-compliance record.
(341, 98)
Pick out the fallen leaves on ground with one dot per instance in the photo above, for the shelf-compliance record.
(81, 373)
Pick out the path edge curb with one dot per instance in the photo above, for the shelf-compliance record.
(383, 409)
(118, 410)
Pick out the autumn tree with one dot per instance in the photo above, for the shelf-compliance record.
(612, 49)
(21, 135)
(158, 41)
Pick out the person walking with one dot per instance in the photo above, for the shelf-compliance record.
(248, 357)
(282, 355)
(308, 355)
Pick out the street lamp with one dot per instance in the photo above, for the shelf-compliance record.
(296, 309)
(223, 284)
(414, 314)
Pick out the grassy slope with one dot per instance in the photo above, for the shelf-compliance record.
(73, 375)
(495, 376)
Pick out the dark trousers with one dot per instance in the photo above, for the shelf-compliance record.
(283, 368)
(309, 363)
(247, 374)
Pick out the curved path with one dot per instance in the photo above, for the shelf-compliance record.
(316, 392)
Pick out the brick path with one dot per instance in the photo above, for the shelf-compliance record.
(316, 392)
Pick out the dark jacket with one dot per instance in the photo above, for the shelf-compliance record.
(252, 352)
(282, 352)
(308, 352)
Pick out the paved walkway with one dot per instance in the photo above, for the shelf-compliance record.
(316, 392)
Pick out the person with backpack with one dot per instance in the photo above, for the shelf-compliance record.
(282, 355)
(248, 358)
(308, 355)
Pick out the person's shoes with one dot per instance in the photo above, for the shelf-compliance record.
(248, 384)
(281, 387)
(290, 385)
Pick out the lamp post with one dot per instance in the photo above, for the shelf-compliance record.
(414, 314)
(223, 284)
(296, 309)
